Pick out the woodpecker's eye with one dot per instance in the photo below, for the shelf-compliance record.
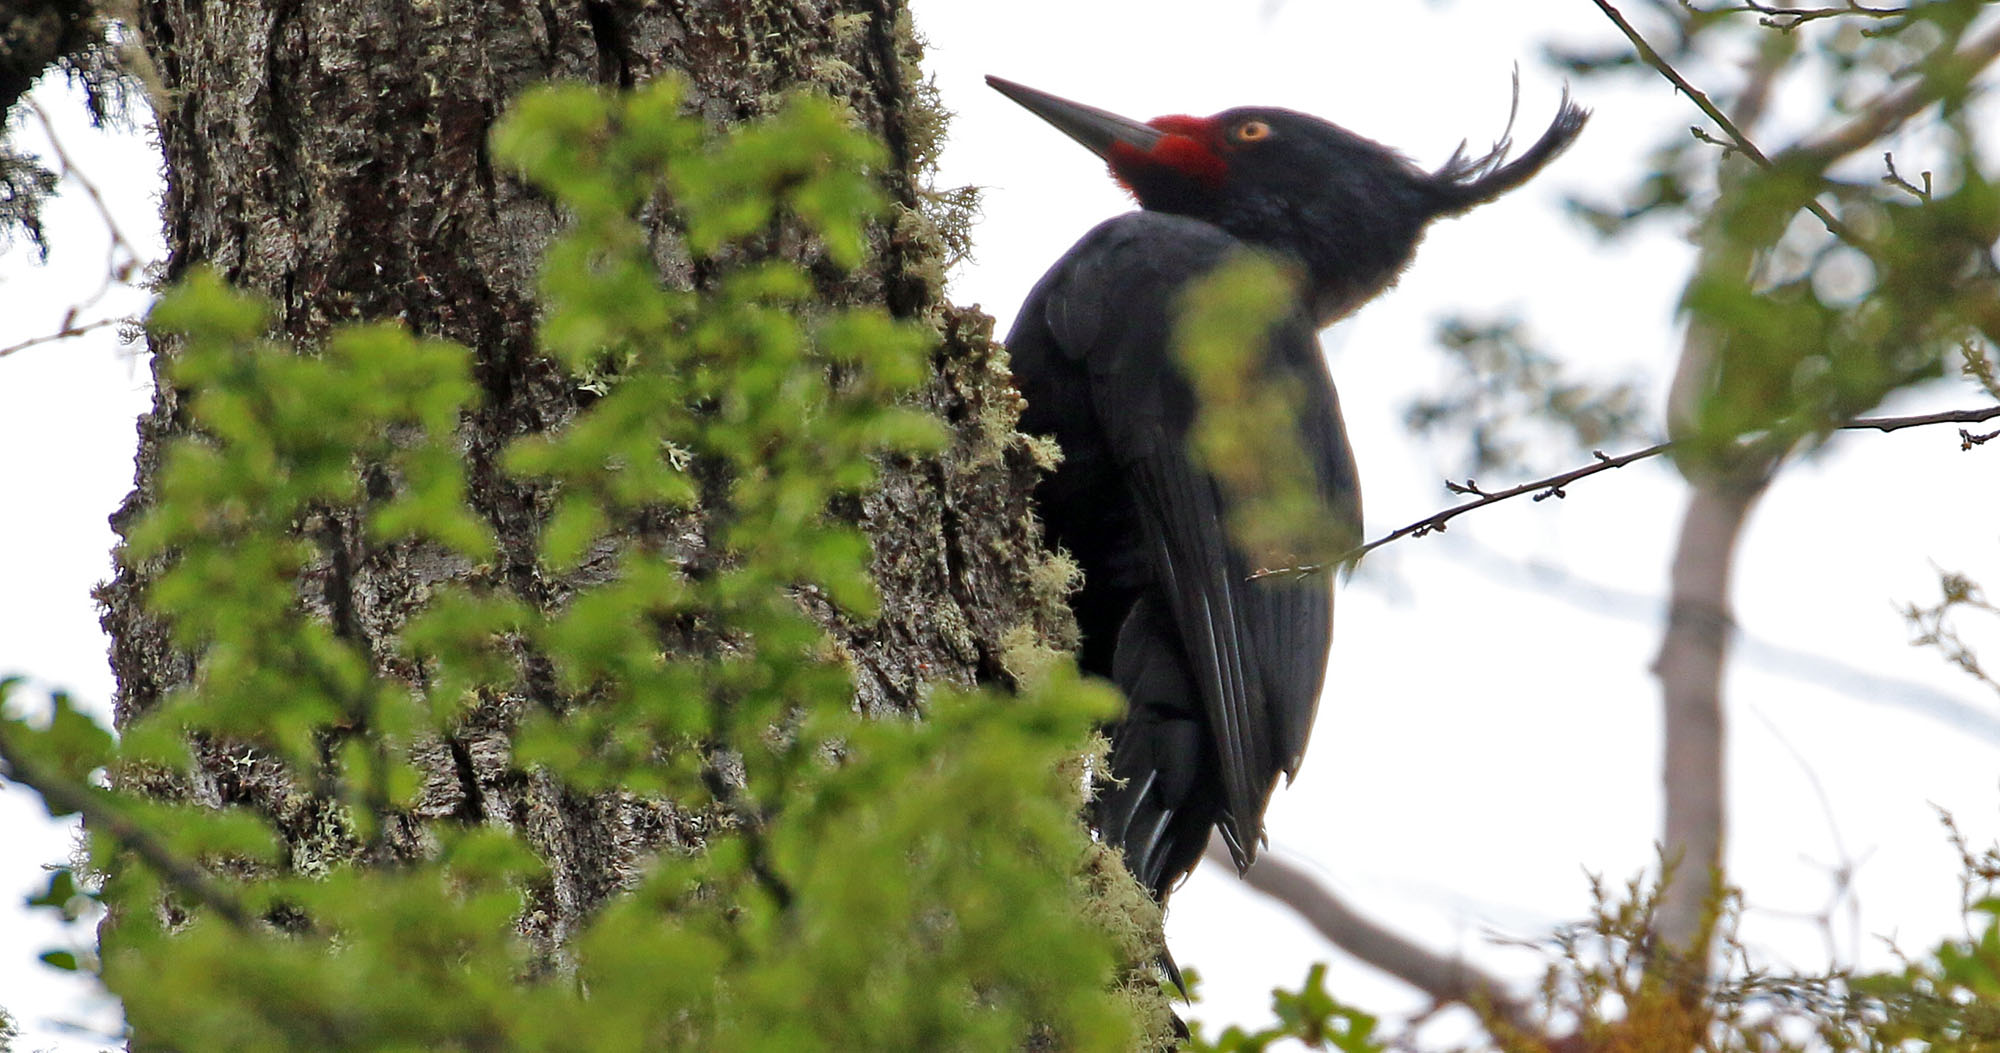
(1252, 131)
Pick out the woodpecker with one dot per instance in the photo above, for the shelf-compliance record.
(1222, 670)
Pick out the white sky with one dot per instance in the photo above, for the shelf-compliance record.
(1490, 732)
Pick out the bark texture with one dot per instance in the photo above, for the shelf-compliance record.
(332, 156)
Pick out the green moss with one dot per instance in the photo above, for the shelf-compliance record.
(1044, 450)
(1026, 656)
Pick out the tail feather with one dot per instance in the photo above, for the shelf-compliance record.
(1165, 794)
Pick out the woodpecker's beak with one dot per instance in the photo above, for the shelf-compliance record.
(1096, 129)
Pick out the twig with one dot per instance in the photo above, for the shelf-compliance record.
(1973, 416)
(69, 329)
(186, 876)
(114, 268)
(1842, 873)
(1895, 179)
(1444, 979)
(1470, 486)
(1707, 106)
(1555, 485)
(751, 823)
(1894, 107)
(122, 257)
(1551, 486)
(1436, 521)
(1659, 62)
(1798, 16)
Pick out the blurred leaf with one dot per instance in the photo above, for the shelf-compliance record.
(1245, 430)
(1507, 395)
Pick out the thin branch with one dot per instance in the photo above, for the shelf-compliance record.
(751, 823)
(69, 329)
(1895, 179)
(1840, 874)
(1666, 69)
(1891, 109)
(1552, 486)
(1794, 17)
(115, 268)
(1556, 485)
(1972, 416)
(1448, 980)
(1707, 106)
(122, 256)
(67, 797)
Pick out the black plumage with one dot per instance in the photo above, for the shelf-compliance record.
(1222, 670)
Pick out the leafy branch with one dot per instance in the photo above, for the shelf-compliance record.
(1737, 138)
(1941, 75)
(818, 879)
(68, 796)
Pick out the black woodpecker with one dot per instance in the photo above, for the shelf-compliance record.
(1222, 671)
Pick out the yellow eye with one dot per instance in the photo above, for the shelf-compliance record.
(1252, 131)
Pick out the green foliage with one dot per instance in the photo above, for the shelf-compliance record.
(1948, 999)
(1512, 390)
(870, 884)
(1605, 983)
(1310, 1015)
(1822, 290)
(1861, 319)
(1244, 430)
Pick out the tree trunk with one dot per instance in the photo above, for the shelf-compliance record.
(333, 157)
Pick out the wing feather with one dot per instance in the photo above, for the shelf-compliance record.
(1256, 648)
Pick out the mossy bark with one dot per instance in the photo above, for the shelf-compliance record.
(333, 157)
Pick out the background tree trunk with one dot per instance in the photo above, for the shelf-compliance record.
(332, 156)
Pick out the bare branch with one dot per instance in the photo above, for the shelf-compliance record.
(1737, 138)
(1973, 416)
(1934, 625)
(116, 268)
(1695, 95)
(122, 257)
(1895, 179)
(69, 329)
(1552, 486)
(1448, 980)
(1555, 485)
(1790, 18)
(1881, 116)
